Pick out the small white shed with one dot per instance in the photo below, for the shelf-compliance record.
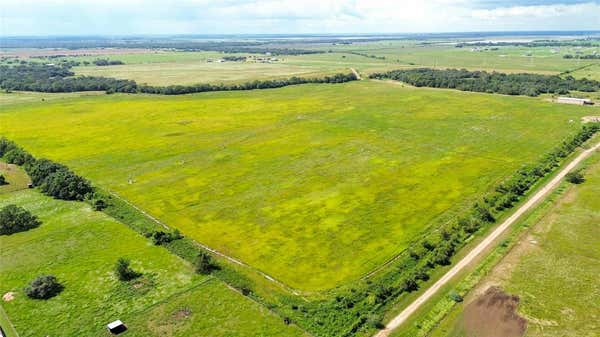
(116, 327)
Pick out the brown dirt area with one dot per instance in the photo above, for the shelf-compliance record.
(494, 314)
(182, 313)
(591, 119)
(9, 296)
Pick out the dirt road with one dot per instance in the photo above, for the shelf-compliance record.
(483, 245)
(356, 74)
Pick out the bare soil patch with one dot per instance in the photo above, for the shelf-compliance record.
(591, 119)
(9, 296)
(182, 313)
(494, 314)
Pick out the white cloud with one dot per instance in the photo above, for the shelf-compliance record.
(289, 16)
(540, 11)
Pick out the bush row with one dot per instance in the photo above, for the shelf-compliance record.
(481, 81)
(582, 57)
(35, 76)
(53, 179)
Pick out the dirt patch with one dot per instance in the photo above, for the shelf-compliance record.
(494, 314)
(182, 313)
(9, 296)
(591, 119)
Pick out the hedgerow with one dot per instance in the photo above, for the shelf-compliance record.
(482, 81)
(40, 77)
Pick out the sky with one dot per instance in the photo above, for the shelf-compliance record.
(125, 17)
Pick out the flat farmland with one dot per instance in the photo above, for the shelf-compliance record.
(545, 60)
(313, 184)
(80, 246)
(167, 68)
(591, 72)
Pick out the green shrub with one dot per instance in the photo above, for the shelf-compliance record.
(204, 264)
(66, 185)
(455, 296)
(18, 156)
(3, 180)
(99, 204)
(161, 237)
(6, 145)
(40, 169)
(43, 287)
(575, 177)
(124, 271)
(14, 219)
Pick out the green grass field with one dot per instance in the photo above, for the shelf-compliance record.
(591, 72)
(564, 300)
(80, 246)
(506, 58)
(17, 97)
(313, 184)
(17, 178)
(209, 310)
(166, 68)
(554, 268)
(177, 67)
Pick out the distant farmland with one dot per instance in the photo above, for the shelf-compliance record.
(314, 184)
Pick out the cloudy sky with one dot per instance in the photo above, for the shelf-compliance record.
(118, 17)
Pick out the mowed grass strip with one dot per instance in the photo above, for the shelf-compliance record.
(212, 310)
(313, 184)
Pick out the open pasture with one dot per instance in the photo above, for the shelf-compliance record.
(591, 72)
(210, 309)
(562, 300)
(313, 184)
(80, 246)
(166, 68)
(546, 60)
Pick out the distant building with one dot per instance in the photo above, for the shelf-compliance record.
(573, 100)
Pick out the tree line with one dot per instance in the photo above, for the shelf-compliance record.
(107, 62)
(482, 81)
(34, 76)
(582, 57)
(53, 179)
(260, 47)
(367, 55)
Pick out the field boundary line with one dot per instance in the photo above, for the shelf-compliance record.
(212, 250)
(263, 305)
(485, 243)
(11, 326)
